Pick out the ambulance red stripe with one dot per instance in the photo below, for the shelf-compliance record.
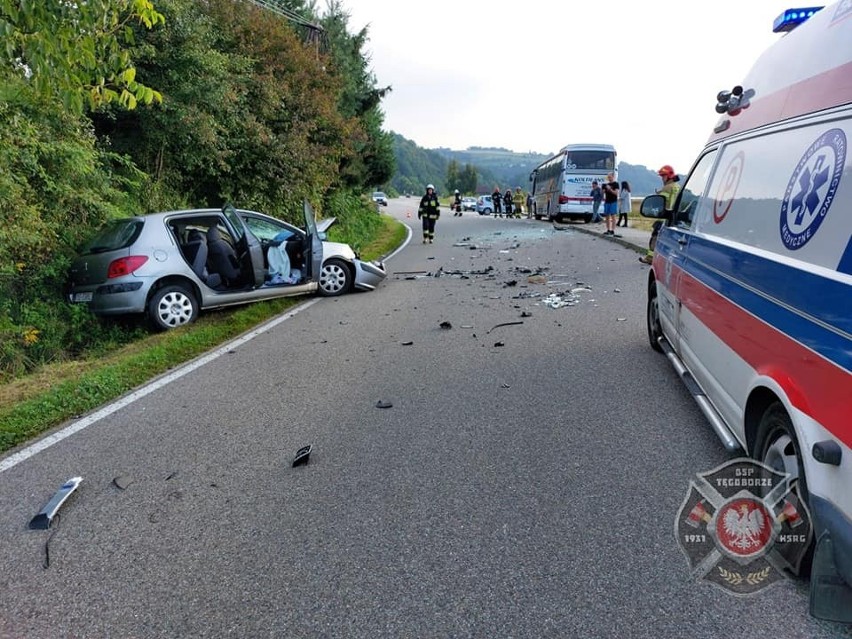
(821, 389)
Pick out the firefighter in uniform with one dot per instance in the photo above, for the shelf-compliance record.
(669, 191)
(457, 207)
(429, 213)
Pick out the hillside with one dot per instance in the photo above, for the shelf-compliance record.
(496, 166)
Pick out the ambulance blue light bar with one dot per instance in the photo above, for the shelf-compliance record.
(792, 18)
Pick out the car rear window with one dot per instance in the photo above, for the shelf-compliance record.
(115, 235)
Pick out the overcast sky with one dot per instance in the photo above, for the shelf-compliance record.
(536, 75)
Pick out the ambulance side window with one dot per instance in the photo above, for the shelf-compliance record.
(693, 190)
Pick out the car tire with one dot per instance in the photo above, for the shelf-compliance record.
(335, 278)
(776, 446)
(171, 307)
(655, 329)
(587, 218)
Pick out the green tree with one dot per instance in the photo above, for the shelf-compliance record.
(372, 161)
(469, 178)
(250, 114)
(453, 178)
(77, 52)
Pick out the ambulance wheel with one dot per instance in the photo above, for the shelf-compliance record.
(777, 447)
(655, 330)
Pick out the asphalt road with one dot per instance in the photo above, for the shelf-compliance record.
(524, 482)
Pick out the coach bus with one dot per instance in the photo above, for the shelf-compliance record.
(561, 185)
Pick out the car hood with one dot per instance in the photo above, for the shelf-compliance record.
(324, 225)
(337, 249)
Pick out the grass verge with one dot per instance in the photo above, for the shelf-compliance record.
(36, 403)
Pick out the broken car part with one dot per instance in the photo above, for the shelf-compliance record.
(302, 455)
(44, 518)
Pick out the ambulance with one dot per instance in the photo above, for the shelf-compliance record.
(750, 288)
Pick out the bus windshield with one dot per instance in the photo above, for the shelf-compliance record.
(590, 161)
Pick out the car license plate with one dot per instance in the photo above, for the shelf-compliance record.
(81, 297)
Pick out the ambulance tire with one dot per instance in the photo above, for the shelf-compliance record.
(777, 447)
(655, 330)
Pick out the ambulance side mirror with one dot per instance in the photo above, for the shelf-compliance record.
(653, 206)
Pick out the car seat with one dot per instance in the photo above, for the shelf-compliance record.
(222, 259)
(196, 253)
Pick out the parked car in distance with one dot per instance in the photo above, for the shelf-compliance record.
(172, 265)
(484, 205)
(468, 204)
(380, 198)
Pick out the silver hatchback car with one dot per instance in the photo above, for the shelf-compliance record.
(174, 264)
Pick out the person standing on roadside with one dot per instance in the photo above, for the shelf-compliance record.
(625, 205)
(597, 197)
(497, 200)
(610, 193)
(529, 205)
(669, 191)
(429, 212)
(507, 202)
(518, 201)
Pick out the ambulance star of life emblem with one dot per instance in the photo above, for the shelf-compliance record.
(741, 526)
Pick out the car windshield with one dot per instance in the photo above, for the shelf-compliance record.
(115, 235)
(378, 194)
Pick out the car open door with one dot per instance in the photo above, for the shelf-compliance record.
(313, 244)
(248, 247)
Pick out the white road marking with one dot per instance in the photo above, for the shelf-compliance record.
(88, 420)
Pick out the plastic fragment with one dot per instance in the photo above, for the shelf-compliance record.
(45, 516)
(303, 455)
(383, 404)
(445, 325)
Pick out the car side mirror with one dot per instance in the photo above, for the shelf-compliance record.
(322, 235)
(653, 206)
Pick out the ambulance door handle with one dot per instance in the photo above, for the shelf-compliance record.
(682, 241)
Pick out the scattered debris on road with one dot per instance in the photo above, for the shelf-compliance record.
(122, 481)
(445, 325)
(303, 455)
(407, 343)
(503, 324)
(45, 516)
(383, 404)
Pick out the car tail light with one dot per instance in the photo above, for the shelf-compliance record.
(125, 265)
(564, 199)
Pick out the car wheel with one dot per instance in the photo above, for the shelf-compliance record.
(777, 447)
(587, 218)
(335, 278)
(655, 329)
(172, 306)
